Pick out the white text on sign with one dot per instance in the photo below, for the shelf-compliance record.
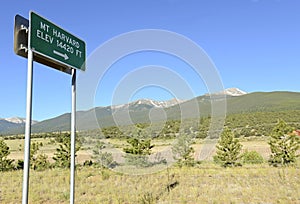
(62, 41)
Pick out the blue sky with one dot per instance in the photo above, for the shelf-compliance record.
(254, 45)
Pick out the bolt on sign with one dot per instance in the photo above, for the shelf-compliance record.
(56, 44)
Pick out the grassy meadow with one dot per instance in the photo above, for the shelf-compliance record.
(16, 146)
(205, 183)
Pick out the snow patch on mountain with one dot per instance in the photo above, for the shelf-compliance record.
(17, 120)
(229, 92)
(148, 102)
(157, 104)
(234, 92)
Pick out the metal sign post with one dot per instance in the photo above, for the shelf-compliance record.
(73, 138)
(52, 46)
(27, 129)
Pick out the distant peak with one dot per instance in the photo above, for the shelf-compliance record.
(230, 92)
(234, 92)
(159, 104)
(17, 120)
(149, 102)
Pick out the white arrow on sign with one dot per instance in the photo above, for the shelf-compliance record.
(65, 56)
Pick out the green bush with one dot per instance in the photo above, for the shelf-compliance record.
(19, 164)
(252, 157)
(88, 163)
(41, 162)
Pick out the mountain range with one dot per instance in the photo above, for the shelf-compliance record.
(11, 124)
(147, 110)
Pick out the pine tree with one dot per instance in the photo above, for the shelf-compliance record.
(139, 146)
(40, 162)
(183, 151)
(62, 156)
(34, 148)
(104, 159)
(5, 163)
(228, 149)
(139, 149)
(284, 145)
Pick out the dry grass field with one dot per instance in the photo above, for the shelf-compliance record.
(17, 147)
(206, 183)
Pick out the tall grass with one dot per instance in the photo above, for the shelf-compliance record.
(205, 184)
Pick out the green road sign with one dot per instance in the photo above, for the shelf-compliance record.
(56, 44)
